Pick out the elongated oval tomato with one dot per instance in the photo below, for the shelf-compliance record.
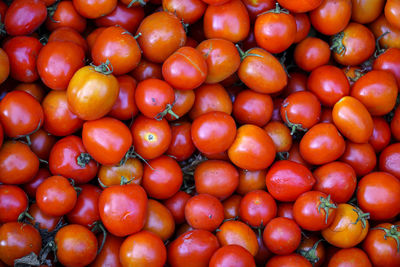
(94, 9)
(300, 6)
(352, 119)
(107, 140)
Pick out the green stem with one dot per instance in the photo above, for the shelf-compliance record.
(326, 205)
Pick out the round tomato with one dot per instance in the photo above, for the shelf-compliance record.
(388, 160)
(13, 203)
(311, 53)
(125, 107)
(352, 257)
(94, 9)
(176, 205)
(44, 221)
(159, 220)
(232, 255)
(257, 208)
(291, 260)
(282, 236)
(65, 15)
(361, 157)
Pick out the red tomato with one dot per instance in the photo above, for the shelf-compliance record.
(129, 172)
(181, 146)
(176, 205)
(361, 157)
(146, 70)
(231, 207)
(380, 137)
(291, 260)
(303, 26)
(159, 220)
(287, 180)
(388, 160)
(366, 11)
(352, 257)
(332, 16)
(300, 6)
(4, 66)
(251, 180)
(311, 53)
(44, 221)
(280, 135)
(232, 255)
(109, 255)
(282, 236)
(257, 208)
(188, 11)
(65, 15)
(389, 61)
(67, 34)
(380, 26)
(125, 107)
(31, 187)
(395, 125)
(13, 203)
(94, 9)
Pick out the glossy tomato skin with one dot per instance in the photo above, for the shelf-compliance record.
(314, 211)
(184, 101)
(291, 260)
(91, 94)
(76, 245)
(131, 171)
(94, 9)
(366, 11)
(231, 206)
(143, 249)
(262, 72)
(311, 53)
(56, 196)
(67, 34)
(181, 146)
(213, 132)
(18, 164)
(303, 26)
(5, 66)
(312, 251)
(388, 160)
(151, 138)
(282, 236)
(58, 118)
(125, 107)
(395, 125)
(22, 52)
(13, 202)
(20, 114)
(194, 248)
(361, 157)
(66, 16)
(300, 6)
(17, 240)
(107, 140)
(44, 221)
(159, 220)
(252, 149)
(162, 34)
(109, 255)
(380, 26)
(353, 257)
(257, 208)
(378, 194)
(176, 205)
(23, 17)
(146, 70)
(232, 255)
(189, 11)
(382, 250)
(57, 62)
(352, 119)
(389, 61)
(162, 177)
(123, 209)
(31, 187)
(287, 180)
(381, 134)
(35, 89)
(337, 179)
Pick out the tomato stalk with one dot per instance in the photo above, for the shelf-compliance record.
(243, 55)
(392, 232)
(380, 50)
(326, 206)
(337, 44)
(293, 126)
(83, 159)
(363, 217)
(51, 10)
(311, 254)
(133, 154)
(104, 68)
(277, 10)
(98, 226)
(167, 110)
(141, 2)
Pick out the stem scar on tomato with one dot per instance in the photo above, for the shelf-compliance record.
(392, 232)
(326, 206)
(337, 44)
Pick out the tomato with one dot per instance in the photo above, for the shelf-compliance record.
(56, 196)
(287, 180)
(297, 82)
(378, 193)
(366, 11)
(31, 187)
(322, 144)
(395, 125)
(349, 227)
(388, 160)
(18, 164)
(353, 45)
(125, 107)
(257, 208)
(389, 61)
(300, 6)
(117, 46)
(337, 179)
(44, 221)
(380, 137)
(331, 16)
(213, 132)
(329, 84)
(5, 66)
(154, 98)
(254, 8)
(231, 206)
(23, 17)
(352, 119)
(194, 248)
(311, 53)
(181, 146)
(285, 210)
(20, 114)
(86, 210)
(314, 211)
(250, 180)
(361, 157)
(381, 245)
(13, 202)
(352, 257)
(204, 211)
(188, 11)
(107, 140)
(123, 209)
(380, 26)
(22, 53)
(217, 178)
(65, 15)
(252, 108)
(161, 35)
(313, 250)
(151, 138)
(76, 245)
(143, 249)
(92, 92)
(109, 255)
(291, 260)
(300, 110)
(69, 158)
(232, 255)
(392, 10)
(128, 18)
(210, 97)
(238, 233)
(18, 240)
(92, 36)
(34, 89)
(262, 72)
(159, 220)
(185, 69)
(67, 34)
(222, 59)
(303, 26)
(94, 9)
(228, 21)
(162, 177)
(275, 31)
(146, 70)
(282, 236)
(131, 171)
(176, 205)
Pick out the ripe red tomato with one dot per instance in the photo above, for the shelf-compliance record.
(311, 53)
(189, 11)
(257, 208)
(125, 107)
(300, 6)
(361, 157)
(109, 255)
(280, 135)
(232, 255)
(313, 250)
(129, 172)
(5, 66)
(13, 202)
(380, 137)
(176, 205)
(123, 209)
(44, 221)
(181, 146)
(231, 206)
(353, 257)
(381, 26)
(282, 236)
(366, 11)
(291, 260)
(94, 9)
(159, 220)
(388, 160)
(65, 15)
(69, 35)
(389, 61)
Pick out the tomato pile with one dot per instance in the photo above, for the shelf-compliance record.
(200, 133)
